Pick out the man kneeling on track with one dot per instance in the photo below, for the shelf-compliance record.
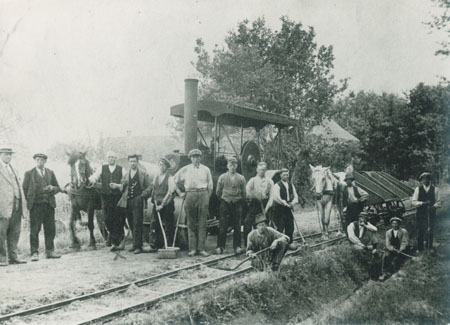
(362, 234)
(264, 237)
(397, 245)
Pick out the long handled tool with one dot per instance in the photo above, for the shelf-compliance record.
(178, 220)
(263, 211)
(300, 233)
(227, 268)
(166, 252)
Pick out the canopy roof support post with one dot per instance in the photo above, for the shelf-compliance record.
(215, 142)
(232, 145)
(242, 135)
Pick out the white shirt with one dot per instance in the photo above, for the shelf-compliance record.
(351, 232)
(351, 194)
(395, 232)
(277, 197)
(195, 178)
(415, 198)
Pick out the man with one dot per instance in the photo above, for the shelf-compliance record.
(40, 186)
(136, 187)
(12, 206)
(163, 189)
(259, 193)
(353, 198)
(263, 237)
(362, 234)
(230, 190)
(110, 174)
(397, 241)
(426, 198)
(285, 197)
(198, 183)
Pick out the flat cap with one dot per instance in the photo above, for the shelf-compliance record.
(423, 175)
(194, 152)
(40, 155)
(259, 218)
(395, 219)
(165, 161)
(284, 170)
(6, 149)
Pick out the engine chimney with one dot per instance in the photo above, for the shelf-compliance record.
(190, 114)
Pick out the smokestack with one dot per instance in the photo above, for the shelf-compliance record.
(190, 114)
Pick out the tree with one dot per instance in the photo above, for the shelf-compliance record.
(442, 23)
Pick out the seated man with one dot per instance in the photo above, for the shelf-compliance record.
(362, 234)
(397, 241)
(263, 237)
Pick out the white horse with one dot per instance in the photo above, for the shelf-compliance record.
(328, 193)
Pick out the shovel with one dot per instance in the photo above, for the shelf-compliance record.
(227, 268)
(301, 235)
(166, 252)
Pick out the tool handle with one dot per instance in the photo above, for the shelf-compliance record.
(178, 220)
(162, 228)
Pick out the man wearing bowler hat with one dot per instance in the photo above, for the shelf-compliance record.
(198, 184)
(426, 198)
(353, 198)
(40, 186)
(12, 206)
(263, 237)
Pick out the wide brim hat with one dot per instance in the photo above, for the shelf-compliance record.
(259, 218)
(6, 149)
(165, 161)
(423, 175)
(395, 219)
(40, 155)
(194, 152)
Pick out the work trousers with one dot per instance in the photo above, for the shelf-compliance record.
(135, 217)
(393, 261)
(422, 229)
(352, 213)
(270, 258)
(167, 218)
(10, 232)
(42, 214)
(254, 208)
(196, 207)
(114, 220)
(284, 220)
(230, 214)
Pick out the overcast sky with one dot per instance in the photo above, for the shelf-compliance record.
(78, 68)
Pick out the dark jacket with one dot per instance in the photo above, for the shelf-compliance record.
(31, 186)
(144, 182)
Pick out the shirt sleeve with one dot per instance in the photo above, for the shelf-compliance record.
(351, 235)
(96, 175)
(437, 195)
(415, 198)
(371, 227)
(270, 202)
(210, 182)
(180, 175)
(219, 186)
(250, 244)
(295, 200)
(405, 240)
(171, 184)
(276, 195)
(364, 194)
(278, 234)
(389, 246)
(243, 188)
(249, 188)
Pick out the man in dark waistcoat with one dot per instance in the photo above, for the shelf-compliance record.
(110, 174)
(284, 197)
(397, 242)
(40, 186)
(230, 190)
(353, 199)
(163, 189)
(426, 198)
(136, 188)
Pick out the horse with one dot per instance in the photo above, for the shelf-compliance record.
(83, 198)
(328, 194)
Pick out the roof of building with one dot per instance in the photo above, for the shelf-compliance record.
(329, 129)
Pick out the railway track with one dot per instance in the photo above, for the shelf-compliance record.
(176, 276)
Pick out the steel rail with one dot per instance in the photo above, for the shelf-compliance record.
(120, 288)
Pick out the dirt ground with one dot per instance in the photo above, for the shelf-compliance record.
(36, 283)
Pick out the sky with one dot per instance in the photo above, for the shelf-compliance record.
(79, 69)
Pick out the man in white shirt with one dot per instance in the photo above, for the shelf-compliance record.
(12, 206)
(353, 199)
(284, 198)
(198, 184)
(110, 174)
(427, 199)
(259, 195)
(362, 234)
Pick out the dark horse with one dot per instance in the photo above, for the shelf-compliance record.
(83, 198)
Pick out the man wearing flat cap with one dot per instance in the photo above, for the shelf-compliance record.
(40, 186)
(353, 199)
(397, 243)
(362, 234)
(426, 198)
(284, 197)
(136, 187)
(198, 184)
(107, 175)
(230, 190)
(263, 237)
(12, 207)
(164, 188)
